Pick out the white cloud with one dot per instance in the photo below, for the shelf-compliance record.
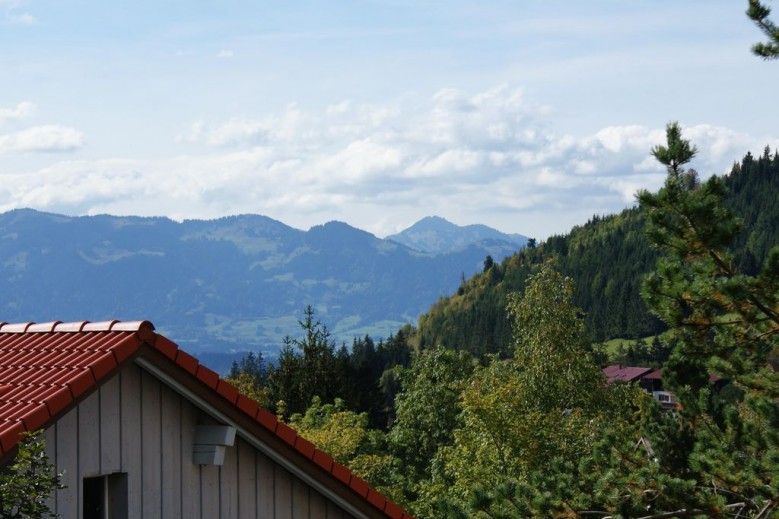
(12, 14)
(489, 157)
(47, 138)
(21, 111)
(225, 54)
(22, 19)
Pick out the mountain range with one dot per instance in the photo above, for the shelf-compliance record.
(233, 283)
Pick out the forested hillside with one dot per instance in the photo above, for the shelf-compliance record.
(538, 431)
(607, 257)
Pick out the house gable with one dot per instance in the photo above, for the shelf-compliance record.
(69, 376)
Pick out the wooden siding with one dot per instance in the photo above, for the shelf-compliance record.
(136, 424)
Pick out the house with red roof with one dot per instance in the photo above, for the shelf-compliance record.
(648, 379)
(141, 429)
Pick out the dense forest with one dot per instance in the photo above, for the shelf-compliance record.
(496, 406)
(607, 257)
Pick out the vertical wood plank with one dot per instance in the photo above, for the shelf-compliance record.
(88, 443)
(228, 483)
(67, 461)
(300, 500)
(247, 479)
(318, 505)
(151, 463)
(209, 491)
(89, 436)
(190, 472)
(50, 439)
(130, 383)
(110, 423)
(336, 512)
(265, 489)
(171, 453)
(283, 493)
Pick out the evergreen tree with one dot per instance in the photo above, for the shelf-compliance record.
(759, 13)
(723, 323)
(307, 367)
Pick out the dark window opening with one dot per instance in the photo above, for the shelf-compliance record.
(105, 497)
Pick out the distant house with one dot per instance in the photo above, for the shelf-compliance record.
(648, 379)
(141, 429)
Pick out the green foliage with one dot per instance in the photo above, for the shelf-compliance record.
(726, 323)
(332, 428)
(532, 419)
(651, 352)
(551, 343)
(618, 454)
(28, 482)
(364, 378)
(252, 365)
(677, 150)
(428, 409)
(307, 368)
(752, 188)
(250, 377)
(345, 436)
(607, 257)
(249, 387)
(759, 13)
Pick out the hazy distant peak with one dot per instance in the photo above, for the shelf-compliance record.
(436, 235)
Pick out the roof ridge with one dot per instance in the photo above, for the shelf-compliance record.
(76, 326)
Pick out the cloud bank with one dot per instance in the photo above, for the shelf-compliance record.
(491, 157)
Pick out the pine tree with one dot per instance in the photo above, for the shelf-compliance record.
(759, 13)
(724, 324)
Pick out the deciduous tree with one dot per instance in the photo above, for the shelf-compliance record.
(28, 482)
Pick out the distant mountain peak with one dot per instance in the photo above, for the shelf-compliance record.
(437, 235)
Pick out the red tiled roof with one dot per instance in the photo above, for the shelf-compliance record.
(46, 367)
(624, 373)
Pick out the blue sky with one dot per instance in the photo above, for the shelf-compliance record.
(529, 116)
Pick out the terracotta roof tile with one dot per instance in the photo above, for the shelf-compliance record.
(101, 326)
(81, 383)
(187, 361)
(305, 447)
(35, 417)
(42, 327)
(247, 405)
(323, 460)
(227, 390)
(624, 373)
(9, 435)
(58, 400)
(167, 347)
(124, 350)
(103, 365)
(70, 327)
(359, 485)
(267, 419)
(377, 499)
(15, 328)
(341, 472)
(393, 510)
(207, 376)
(45, 367)
(286, 433)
